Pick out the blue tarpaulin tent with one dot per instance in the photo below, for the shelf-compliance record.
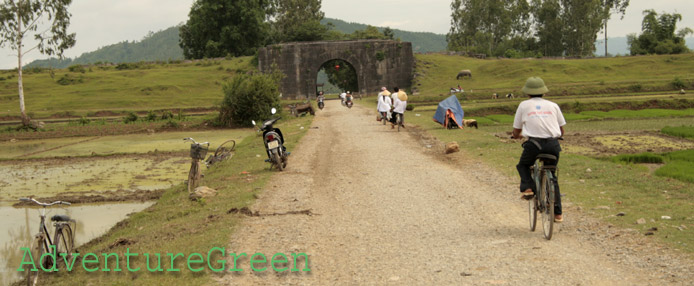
(449, 110)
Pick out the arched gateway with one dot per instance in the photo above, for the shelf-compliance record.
(376, 62)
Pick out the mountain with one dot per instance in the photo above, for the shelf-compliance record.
(422, 42)
(159, 46)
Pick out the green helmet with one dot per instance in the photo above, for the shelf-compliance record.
(535, 86)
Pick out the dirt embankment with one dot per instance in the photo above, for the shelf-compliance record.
(99, 197)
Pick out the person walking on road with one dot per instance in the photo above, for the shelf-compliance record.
(399, 105)
(542, 123)
(384, 103)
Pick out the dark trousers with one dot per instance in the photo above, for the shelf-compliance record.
(527, 159)
(394, 117)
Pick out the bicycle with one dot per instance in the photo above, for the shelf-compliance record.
(400, 121)
(223, 152)
(543, 201)
(197, 153)
(62, 244)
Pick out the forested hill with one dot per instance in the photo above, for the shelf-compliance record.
(421, 41)
(159, 46)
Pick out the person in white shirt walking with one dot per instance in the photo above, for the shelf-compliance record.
(542, 122)
(399, 105)
(384, 102)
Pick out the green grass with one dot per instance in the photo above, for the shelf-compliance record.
(679, 131)
(154, 87)
(681, 170)
(564, 77)
(175, 224)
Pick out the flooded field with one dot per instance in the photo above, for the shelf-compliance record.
(110, 166)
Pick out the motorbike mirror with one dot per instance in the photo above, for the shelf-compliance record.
(273, 110)
(253, 121)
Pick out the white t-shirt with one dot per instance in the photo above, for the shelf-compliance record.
(539, 118)
(399, 105)
(384, 103)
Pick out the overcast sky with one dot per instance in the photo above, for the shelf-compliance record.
(100, 23)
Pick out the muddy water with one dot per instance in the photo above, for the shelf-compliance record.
(18, 225)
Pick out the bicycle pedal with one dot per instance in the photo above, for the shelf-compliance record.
(267, 160)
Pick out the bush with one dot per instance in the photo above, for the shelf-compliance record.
(68, 80)
(131, 117)
(249, 97)
(677, 83)
(151, 116)
(167, 114)
(635, 87)
(409, 107)
(84, 121)
(77, 68)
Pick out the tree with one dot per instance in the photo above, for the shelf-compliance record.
(658, 35)
(481, 26)
(216, 28)
(249, 97)
(610, 6)
(548, 26)
(22, 18)
(298, 20)
(582, 21)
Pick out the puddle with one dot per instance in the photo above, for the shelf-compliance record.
(19, 225)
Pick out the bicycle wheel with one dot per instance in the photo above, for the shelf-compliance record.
(548, 201)
(399, 121)
(194, 176)
(37, 249)
(64, 243)
(532, 213)
(224, 150)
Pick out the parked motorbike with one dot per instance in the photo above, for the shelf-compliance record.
(274, 143)
(320, 103)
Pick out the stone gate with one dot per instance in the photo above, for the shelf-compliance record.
(376, 62)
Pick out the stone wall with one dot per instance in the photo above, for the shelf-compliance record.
(300, 62)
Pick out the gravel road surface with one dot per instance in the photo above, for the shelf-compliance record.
(373, 206)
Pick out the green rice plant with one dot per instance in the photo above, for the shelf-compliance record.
(680, 170)
(679, 131)
(683, 155)
(639, 158)
(501, 118)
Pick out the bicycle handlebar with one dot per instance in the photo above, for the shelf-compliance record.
(191, 139)
(44, 204)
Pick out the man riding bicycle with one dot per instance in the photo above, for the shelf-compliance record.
(542, 123)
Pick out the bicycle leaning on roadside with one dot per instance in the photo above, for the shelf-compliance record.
(198, 151)
(543, 174)
(61, 245)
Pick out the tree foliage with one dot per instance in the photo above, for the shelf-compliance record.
(658, 35)
(520, 27)
(341, 74)
(216, 28)
(45, 21)
(298, 20)
(249, 97)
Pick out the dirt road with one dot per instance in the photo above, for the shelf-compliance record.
(388, 211)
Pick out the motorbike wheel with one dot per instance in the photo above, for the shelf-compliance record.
(278, 161)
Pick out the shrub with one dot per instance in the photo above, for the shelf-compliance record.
(68, 80)
(171, 124)
(151, 116)
(167, 114)
(77, 68)
(131, 117)
(635, 87)
(678, 83)
(249, 97)
(84, 121)
(409, 107)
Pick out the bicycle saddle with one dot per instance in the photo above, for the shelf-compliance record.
(546, 157)
(60, 218)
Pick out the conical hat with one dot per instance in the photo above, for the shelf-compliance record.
(402, 95)
(386, 93)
